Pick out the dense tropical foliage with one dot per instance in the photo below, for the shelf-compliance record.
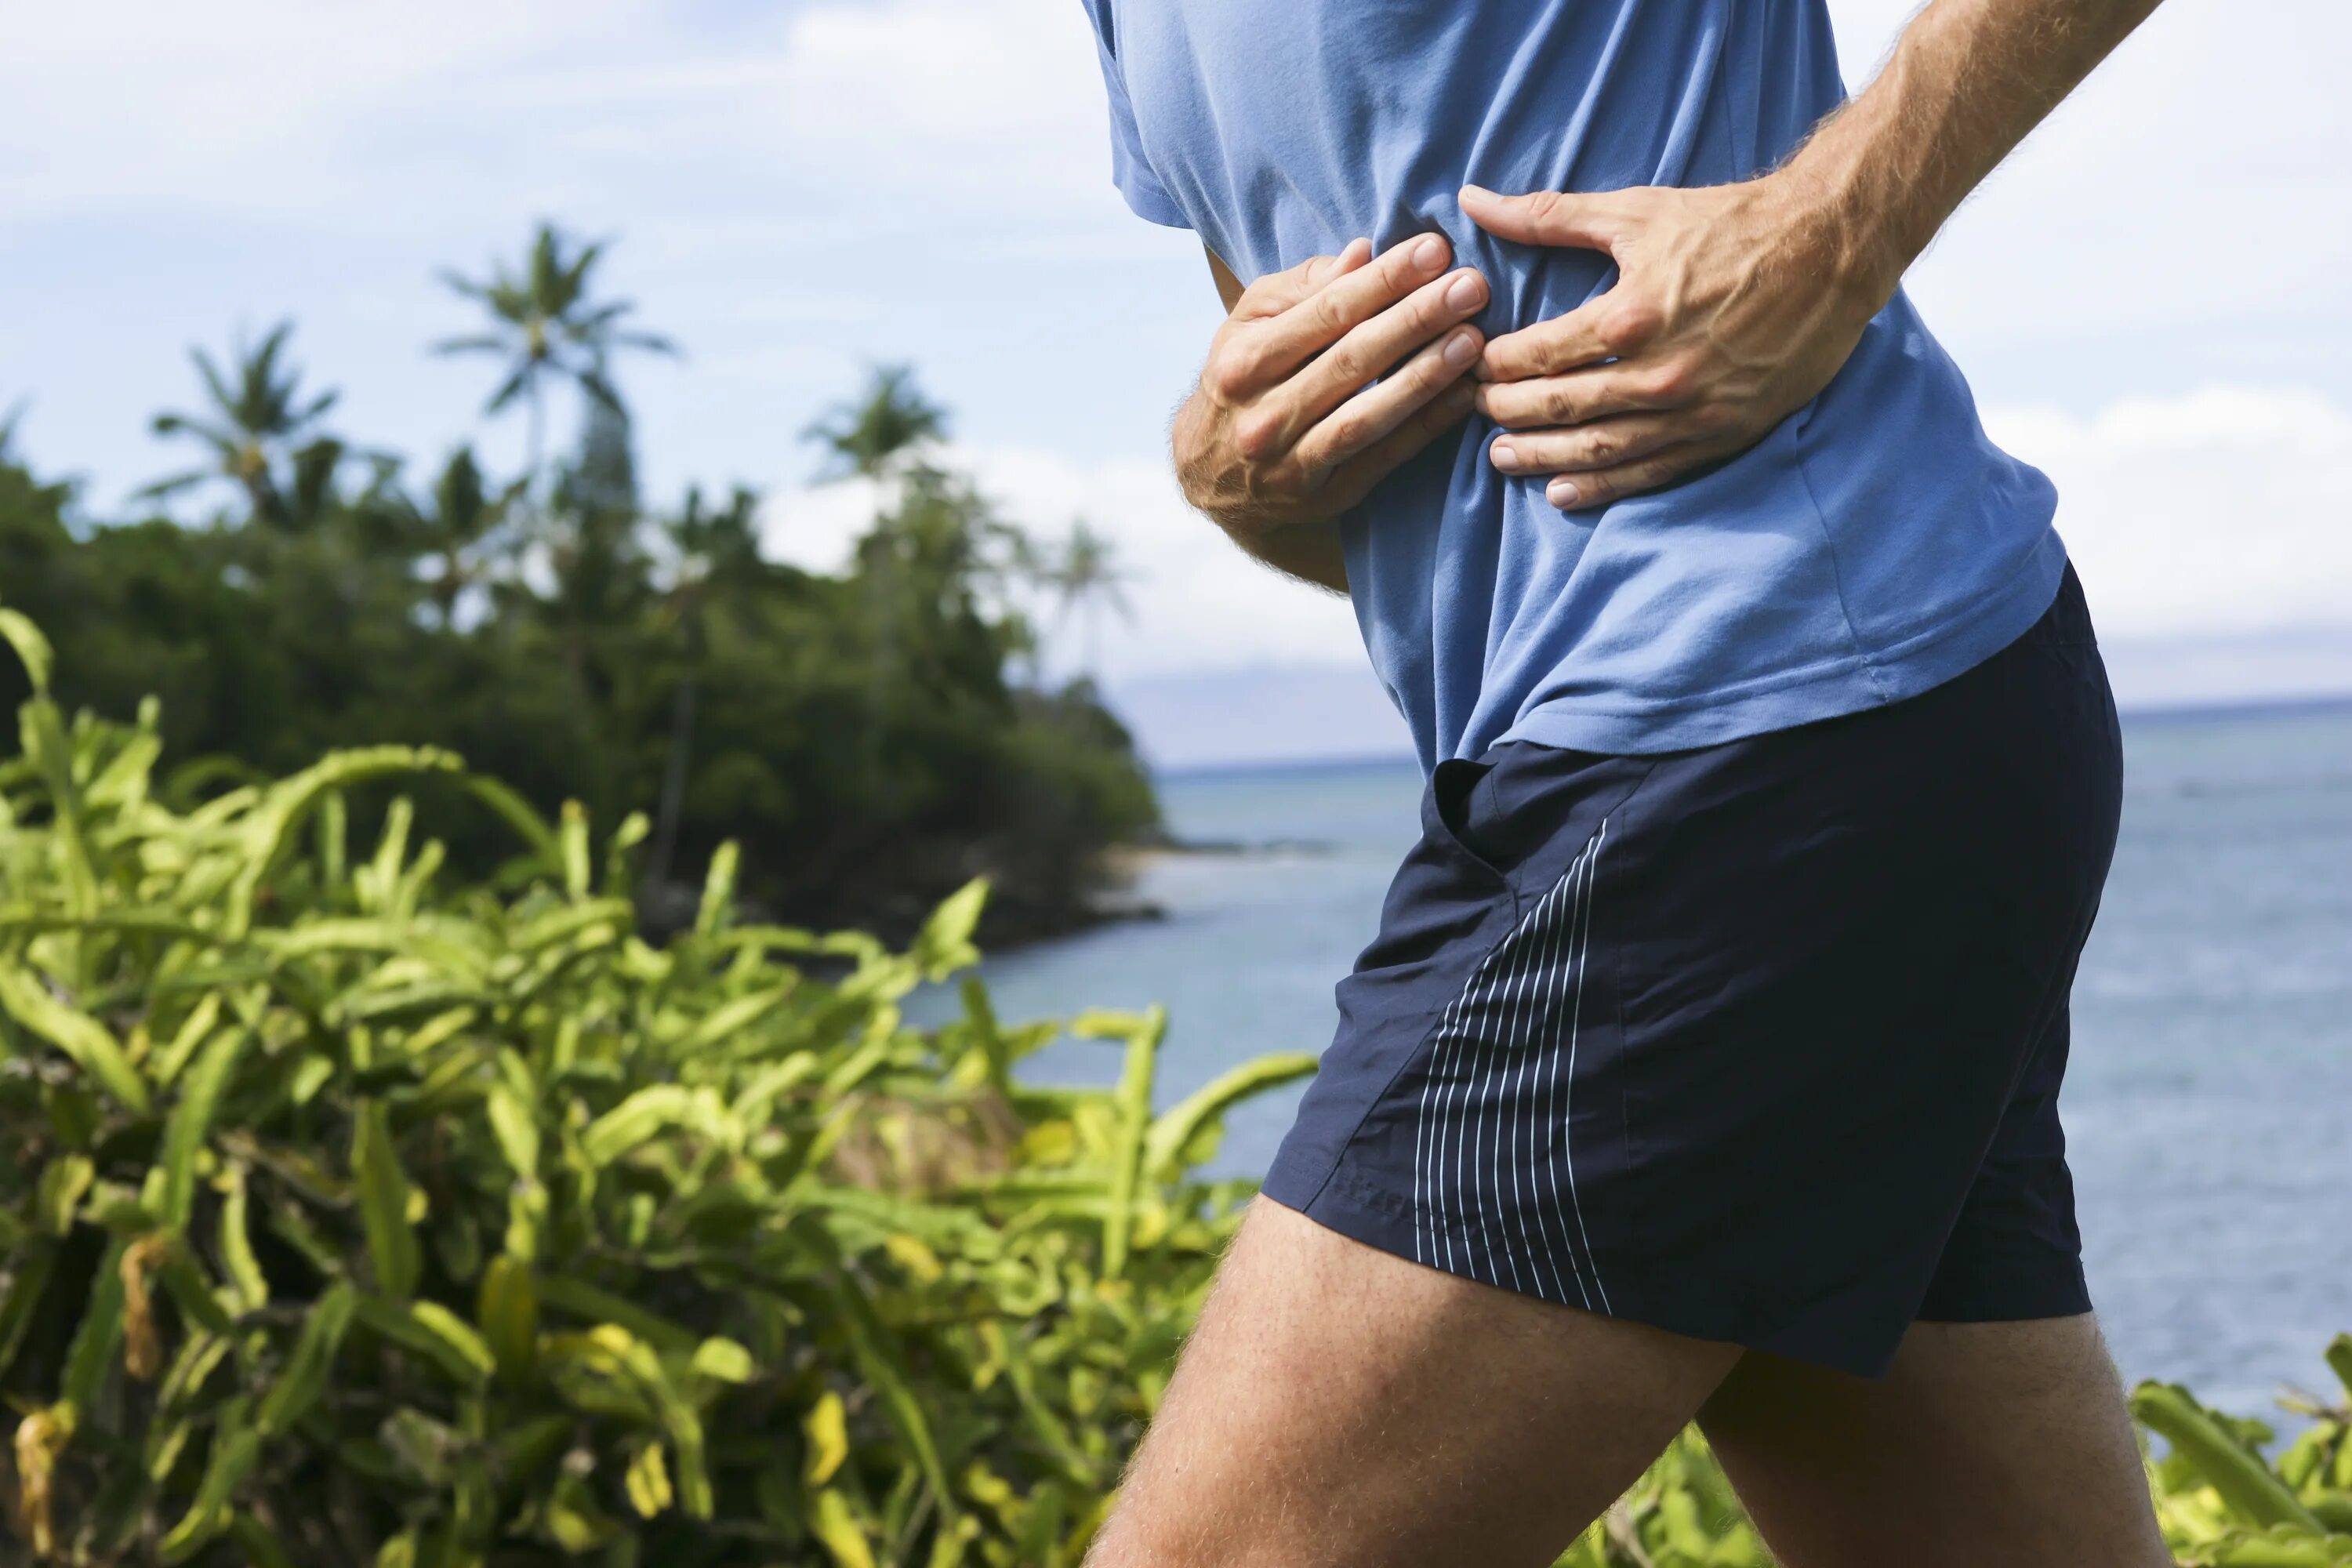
(354, 1214)
(873, 738)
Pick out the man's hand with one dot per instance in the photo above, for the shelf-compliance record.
(1288, 426)
(1734, 305)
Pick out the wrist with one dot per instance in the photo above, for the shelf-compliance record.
(1841, 233)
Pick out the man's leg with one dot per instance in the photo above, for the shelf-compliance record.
(1987, 1443)
(1338, 1405)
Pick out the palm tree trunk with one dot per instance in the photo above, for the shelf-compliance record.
(534, 453)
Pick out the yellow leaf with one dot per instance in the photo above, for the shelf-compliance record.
(648, 1481)
(913, 1257)
(827, 1426)
(837, 1527)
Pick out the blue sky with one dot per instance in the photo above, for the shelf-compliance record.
(2149, 298)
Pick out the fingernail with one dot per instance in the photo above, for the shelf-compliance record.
(1477, 191)
(1561, 494)
(1506, 457)
(1460, 350)
(1466, 292)
(1430, 254)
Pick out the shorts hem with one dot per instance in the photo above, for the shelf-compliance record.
(1375, 1217)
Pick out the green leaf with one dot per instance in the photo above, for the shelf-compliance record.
(19, 632)
(1133, 1103)
(91, 1355)
(718, 891)
(433, 1332)
(641, 1116)
(2228, 1466)
(384, 1201)
(191, 1121)
(80, 1037)
(508, 1314)
(235, 1448)
(236, 1243)
(944, 945)
(571, 843)
(1174, 1131)
(305, 1376)
(56, 1197)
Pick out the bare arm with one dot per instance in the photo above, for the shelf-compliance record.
(1322, 379)
(1308, 550)
(1735, 304)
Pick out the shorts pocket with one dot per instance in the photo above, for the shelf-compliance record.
(1448, 814)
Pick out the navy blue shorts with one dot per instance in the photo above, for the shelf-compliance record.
(1760, 1042)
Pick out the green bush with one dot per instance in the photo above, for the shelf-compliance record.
(347, 1220)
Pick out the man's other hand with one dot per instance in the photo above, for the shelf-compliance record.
(1288, 424)
(1734, 306)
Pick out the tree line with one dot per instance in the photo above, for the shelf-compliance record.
(872, 738)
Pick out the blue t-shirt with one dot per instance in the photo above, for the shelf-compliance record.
(1874, 545)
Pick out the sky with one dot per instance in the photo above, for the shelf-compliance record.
(2149, 298)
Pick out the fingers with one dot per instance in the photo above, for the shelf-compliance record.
(1552, 218)
(1369, 350)
(1278, 291)
(1379, 410)
(1353, 480)
(1616, 324)
(1586, 491)
(1609, 444)
(1585, 397)
(1287, 341)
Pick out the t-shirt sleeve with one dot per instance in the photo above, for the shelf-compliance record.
(1131, 170)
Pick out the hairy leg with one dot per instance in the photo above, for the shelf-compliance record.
(1340, 1405)
(2004, 1443)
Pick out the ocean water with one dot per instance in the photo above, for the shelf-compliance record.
(2209, 1102)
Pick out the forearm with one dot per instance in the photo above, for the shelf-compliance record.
(1306, 550)
(1966, 83)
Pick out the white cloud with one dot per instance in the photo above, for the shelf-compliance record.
(356, 113)
(2225, 510)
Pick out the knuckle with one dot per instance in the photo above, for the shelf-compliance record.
(1256, 434)
(1630, 324)
(1559, 406)
(1675, 380)
(1227, 376)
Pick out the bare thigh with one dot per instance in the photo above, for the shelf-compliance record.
(2004, 1443)
(1340, 1405)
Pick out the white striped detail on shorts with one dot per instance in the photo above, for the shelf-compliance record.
(1493, 1155)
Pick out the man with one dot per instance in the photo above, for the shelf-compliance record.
(1706, 1064)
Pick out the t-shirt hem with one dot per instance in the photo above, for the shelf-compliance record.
(1914, 664)
(1148, 201)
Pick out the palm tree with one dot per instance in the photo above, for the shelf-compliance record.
(459, 535)
(260, 425)
(1086, 578)
(546, 325)
(873, 435)
(884, 434)
(718, 565)
(16, 416)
